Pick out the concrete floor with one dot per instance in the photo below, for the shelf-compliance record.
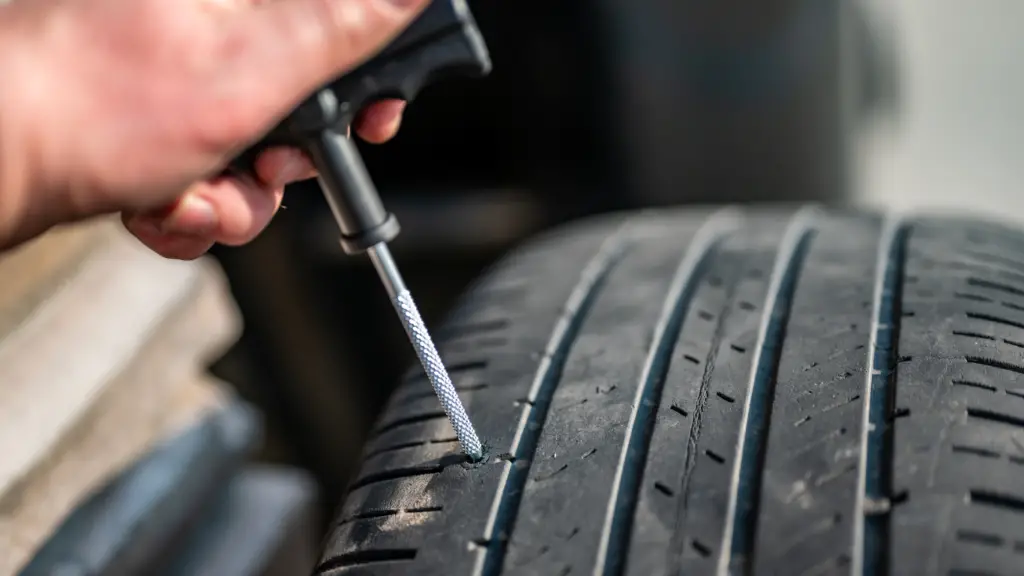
(958, 142)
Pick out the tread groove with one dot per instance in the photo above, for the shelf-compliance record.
(364, 557)
(993, 416)
(395, 474)
(981, 268)
(463, 330)
(740, 530)
(995, 364)
(1012, 306)
(997, 286)
(549, 373)
(969, 384)
(983, 538)
(389, 512)
(1013, 343)
(664, 489)
(994, 319)
(678, 299)
(995, 258)
(407, 445)
(711, 454)
(995, 500)
(972, 334)
(429, 393)
(969, 296)
(393, 448)
(419, 375)
(961, 449)
(414, 419)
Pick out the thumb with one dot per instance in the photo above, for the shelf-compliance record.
(296, 46)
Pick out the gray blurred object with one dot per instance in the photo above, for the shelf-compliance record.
(874, 38)
(732, 101)
(956, 143)
(264, 524)
(191, 508)
(130, 525)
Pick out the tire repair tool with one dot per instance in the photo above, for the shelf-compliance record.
(442, 41)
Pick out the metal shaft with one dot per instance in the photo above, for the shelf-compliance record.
(364, 223)
(425, 350)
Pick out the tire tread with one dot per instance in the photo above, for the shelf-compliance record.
(795, 391)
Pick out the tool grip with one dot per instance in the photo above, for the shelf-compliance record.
(443, 41)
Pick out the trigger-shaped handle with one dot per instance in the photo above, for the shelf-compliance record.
(442, 42)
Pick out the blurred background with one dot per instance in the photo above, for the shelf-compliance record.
(957, 142)
(610, 105)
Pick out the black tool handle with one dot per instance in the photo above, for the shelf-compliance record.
(443, 41)
(350, 193)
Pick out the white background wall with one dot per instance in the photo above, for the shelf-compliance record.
(958, 143)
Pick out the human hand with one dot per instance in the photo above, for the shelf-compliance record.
(121, 105)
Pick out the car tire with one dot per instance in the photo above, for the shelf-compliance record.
(715, 391)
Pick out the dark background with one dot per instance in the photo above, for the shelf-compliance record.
(591, 107)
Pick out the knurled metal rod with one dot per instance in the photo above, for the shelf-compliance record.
(425, 350)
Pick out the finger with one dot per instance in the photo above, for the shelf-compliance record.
(231, 211)
(297, 45)
(190, 215)
(278, 167)
(243, 206)
(379, 122)
(174, 246)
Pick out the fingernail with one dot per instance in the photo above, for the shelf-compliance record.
(193, 216)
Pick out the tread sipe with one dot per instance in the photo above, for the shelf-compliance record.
(733, 391)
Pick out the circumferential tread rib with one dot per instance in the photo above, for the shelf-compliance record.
(502, 516)
(807, 500)
(592, 402)
(620, 510)
(737, 541)
(693, 441)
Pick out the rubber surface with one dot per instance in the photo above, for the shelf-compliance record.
(779, 391)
